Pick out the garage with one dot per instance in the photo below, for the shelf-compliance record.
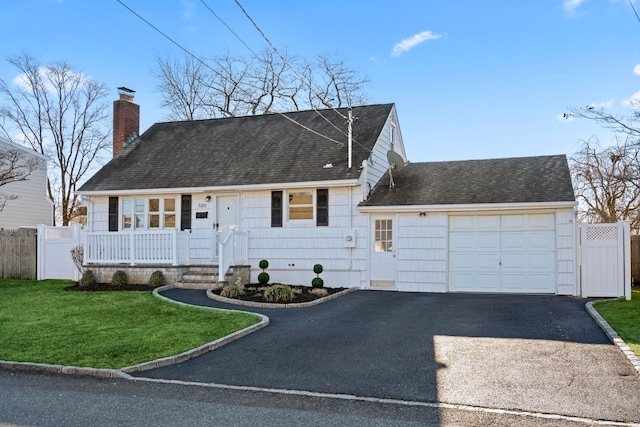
(502, 253)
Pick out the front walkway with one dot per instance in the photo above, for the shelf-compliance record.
(531, 353)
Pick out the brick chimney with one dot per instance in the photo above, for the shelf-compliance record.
(126, 119)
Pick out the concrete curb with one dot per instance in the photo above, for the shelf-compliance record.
(165, 361)
(328, 298)
(613, 336)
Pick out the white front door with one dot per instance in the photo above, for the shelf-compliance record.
(383, 252)
(226, 213)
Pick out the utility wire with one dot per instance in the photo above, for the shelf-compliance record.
(284, 59)
(634, 9)
(213, 70)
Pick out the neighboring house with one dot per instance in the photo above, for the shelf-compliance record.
(279, 187)
(28, 204)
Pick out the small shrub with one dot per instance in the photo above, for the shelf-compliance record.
(77, 255)
(317, 282)
(263, 278)
(263, 264)
(279, 293)
(87, 279)
(119, 278)
(156, 279)
(317, 269)
(231, 291)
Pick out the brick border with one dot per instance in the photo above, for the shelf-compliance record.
(218, 298)
(613, 336)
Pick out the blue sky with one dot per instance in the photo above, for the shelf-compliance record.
(470, 79)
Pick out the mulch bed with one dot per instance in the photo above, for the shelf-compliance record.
(303, 294)
(109, 287)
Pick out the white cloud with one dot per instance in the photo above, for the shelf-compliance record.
(50, 80)
(636, 70)
(633, 101)
(571, 5)
(602, 105)
(411, 42)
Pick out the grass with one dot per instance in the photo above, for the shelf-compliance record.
(41, 322)
(624, 318)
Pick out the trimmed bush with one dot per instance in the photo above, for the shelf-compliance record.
(87, 279)
(119, 278)
(231, 291)
(157, 279)
(263, 264)
(279, 293)
(263, 278)
(317, 282)
(317, 269)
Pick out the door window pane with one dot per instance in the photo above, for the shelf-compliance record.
(383, 235)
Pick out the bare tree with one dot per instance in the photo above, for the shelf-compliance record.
(606, 182)
(62, 114)
(229, 85)
(15, 166)
(628, 125)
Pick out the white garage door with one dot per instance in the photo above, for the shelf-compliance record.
(502, 253)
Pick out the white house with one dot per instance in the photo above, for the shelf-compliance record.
(27, 203)
(312, 187)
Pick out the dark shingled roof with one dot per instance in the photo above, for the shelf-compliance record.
(511, 180)
(264, 149)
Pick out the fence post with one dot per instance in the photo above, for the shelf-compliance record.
(583, 238)
(40, 252)
(627, 258)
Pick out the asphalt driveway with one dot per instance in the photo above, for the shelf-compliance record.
(531, 353)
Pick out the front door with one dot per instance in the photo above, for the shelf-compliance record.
(383, 253)
(226, 213)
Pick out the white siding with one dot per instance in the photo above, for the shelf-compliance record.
(293, 251)
(422, 252)
(378, 163)
(32, 207)
(566, 252)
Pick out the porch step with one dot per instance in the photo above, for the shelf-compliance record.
(206, 277)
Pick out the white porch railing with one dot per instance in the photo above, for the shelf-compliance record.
(164, 247)
(233, 249)
(146, 247)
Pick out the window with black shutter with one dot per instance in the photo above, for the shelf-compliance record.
(276, 208)
(185, 212)
(113, 214)
(322, 207)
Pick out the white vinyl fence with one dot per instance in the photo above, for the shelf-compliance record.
(605, 254)
(54, 252)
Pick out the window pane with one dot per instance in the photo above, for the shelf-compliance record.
(301, 212)
(154, 205)
(139, 205)
(126, 221)
(139, 220)
(169, 205)
(383, 235)
(169, 221)
(154, 221)
(301, 205)
(127, 206)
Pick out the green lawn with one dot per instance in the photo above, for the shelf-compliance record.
(41, 322)
(624, 318)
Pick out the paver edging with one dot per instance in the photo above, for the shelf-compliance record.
(328, 298)
(613, 336)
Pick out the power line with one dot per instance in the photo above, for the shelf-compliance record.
(284, 59)
(634, 9)
(212, 69)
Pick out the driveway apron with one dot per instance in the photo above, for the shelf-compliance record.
(524, 352)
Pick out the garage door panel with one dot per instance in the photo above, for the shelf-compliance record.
(518, 257)
(474, 282)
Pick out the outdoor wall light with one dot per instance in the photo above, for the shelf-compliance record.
(207, 199)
